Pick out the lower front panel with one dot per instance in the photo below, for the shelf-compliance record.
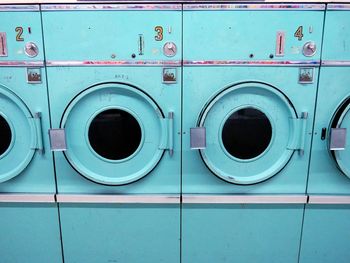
(29, 233)
(146, 233)
(326, 234)
(246, 233)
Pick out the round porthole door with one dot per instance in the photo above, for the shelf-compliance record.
(339, 137)
(115, 133)
(251, 132)
(18, 135)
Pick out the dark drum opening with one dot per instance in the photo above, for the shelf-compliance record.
(5, 135)
(115, 134)
(246, 133)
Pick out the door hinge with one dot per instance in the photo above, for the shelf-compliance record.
(39, 144)
(198, 138)
(167, 140)
(57, 140)
(297, 141)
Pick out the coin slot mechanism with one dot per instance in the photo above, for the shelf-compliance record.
(3, 45)
(280, 41)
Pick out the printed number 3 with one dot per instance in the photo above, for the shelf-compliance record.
(19, 31)
(159, 36)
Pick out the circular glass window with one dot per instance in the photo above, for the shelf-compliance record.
(115, 134)
(246, 133)
(5, 135)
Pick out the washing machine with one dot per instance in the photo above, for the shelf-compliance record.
(29, 226)
(326, 233)
(250, 82)
(114, 81)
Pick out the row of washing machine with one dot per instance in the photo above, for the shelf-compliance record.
(180, 133)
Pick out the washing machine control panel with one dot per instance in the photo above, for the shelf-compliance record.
(21, 33)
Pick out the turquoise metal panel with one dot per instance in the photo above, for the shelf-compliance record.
(120, 233)
(29, 233)
(66, 82)
(201, 83)
(336, 42)
(110, 34)
(245, 34)
(325, 177)
(38, 175)
(241, 233)
(21, 28)
(326, 234)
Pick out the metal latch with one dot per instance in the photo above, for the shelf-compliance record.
(198, 138)
(298, 139)
(38, 145)
(57, 140)
(167, 140)
(338, 139)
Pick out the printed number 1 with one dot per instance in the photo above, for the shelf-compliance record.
(299, 33)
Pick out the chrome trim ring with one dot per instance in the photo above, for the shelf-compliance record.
(17, 63)
(107, 7)
(338, 63)
(329, 199)
(286, 63)
(87, 63)
(254, 6)
(244, 199)
(338, 7)
(19, 8)
(119, 199)
(27, 198)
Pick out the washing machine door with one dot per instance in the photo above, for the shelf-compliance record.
(250, 132)
(339, 137)
(115, 133)
(20, 135)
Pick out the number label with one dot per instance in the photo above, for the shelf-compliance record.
(299, 33)
(159, 36)
(19, 31)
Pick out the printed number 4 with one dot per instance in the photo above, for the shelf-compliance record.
(299, 33)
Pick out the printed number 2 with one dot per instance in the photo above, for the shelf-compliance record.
(159, 36)
(299, 33)
(19, 31)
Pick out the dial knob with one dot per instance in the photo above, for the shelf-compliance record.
(169, 49)
(31, 49)
(309, 49)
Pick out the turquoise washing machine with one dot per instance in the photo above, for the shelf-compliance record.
(29, 227)
(114, 81)
(326, 232)
(250, 82)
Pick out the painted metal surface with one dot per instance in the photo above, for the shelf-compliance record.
(241, 232)
(197, 178)
(127, 209)
(120, 232)
(29, 218)
(230, 66)
(326, 234)
(29, 233)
